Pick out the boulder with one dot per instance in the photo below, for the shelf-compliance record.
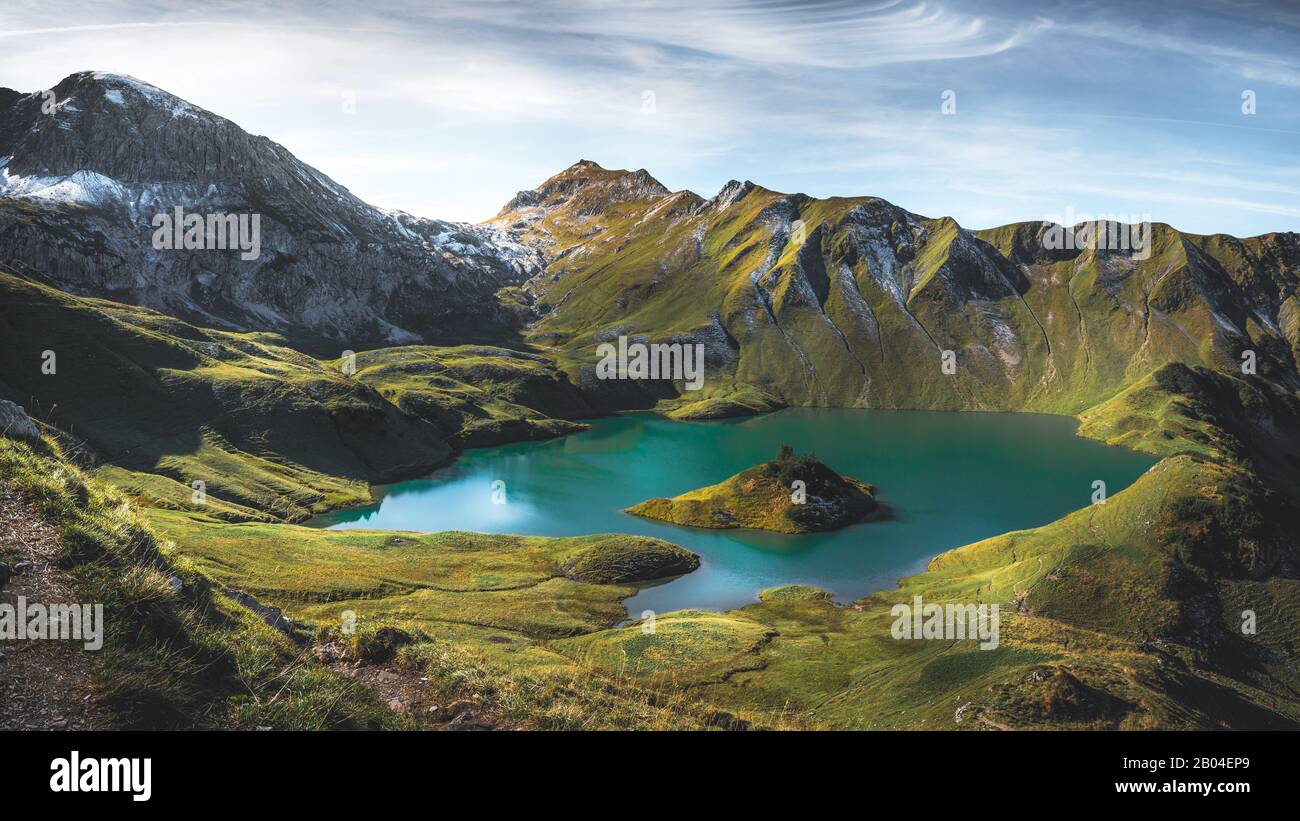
(15, 424)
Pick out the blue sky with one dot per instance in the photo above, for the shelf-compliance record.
(445, 109)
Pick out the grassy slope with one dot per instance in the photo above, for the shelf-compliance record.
(483, 610)
(272, 433)
(476, 396)
(174, 659)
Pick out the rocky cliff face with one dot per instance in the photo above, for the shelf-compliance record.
(854, 301)
(85, 170)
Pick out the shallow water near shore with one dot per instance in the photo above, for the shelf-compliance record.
(948, 479)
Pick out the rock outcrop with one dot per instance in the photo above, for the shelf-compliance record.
(15, 423)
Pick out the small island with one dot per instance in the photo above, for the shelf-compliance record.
(790, 494)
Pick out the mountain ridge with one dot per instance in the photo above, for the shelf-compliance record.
(734, 189)
(849, 285)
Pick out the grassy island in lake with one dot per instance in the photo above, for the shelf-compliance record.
(790, 494)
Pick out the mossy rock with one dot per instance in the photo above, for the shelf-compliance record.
(795, 593)
(628, 559)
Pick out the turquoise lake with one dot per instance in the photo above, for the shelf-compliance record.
(948, 479)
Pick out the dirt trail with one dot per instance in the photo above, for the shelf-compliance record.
(44, 685)
(408, 692)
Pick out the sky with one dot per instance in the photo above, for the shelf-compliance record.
(989, 111)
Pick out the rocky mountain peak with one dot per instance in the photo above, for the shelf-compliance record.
(731, 193)
(122, 128)
(100, 156)
(590, 188)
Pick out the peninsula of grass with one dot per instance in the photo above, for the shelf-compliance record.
(790, 494)
(533, 585)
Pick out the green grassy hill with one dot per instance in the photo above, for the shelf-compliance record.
(476, 396)
(272, 433)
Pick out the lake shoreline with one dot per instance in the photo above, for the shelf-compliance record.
(1012, 445)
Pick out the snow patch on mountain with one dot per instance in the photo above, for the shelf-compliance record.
(81, 188)
(468, 240)
(155, 96)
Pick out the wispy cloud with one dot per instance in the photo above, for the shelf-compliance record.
(828, 34)
(102, 27)
(455, 106)
(1253, 63)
